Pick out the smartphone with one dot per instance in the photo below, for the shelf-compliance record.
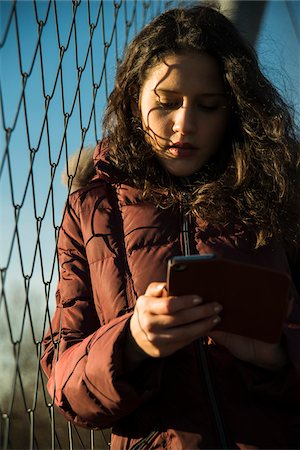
(254, 298)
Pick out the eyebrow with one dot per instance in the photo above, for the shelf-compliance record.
(205, 94)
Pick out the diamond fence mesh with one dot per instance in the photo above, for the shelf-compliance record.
(58, 61)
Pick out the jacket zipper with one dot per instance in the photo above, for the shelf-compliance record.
(202, 343)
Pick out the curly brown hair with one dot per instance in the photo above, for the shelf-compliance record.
(254, 178)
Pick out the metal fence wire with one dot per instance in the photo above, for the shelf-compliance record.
(58, 61)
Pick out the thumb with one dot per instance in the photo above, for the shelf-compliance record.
(156, 290)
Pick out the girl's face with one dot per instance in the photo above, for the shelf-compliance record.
(184, 111)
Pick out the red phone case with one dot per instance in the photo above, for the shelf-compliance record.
(254, 298)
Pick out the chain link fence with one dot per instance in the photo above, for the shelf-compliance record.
(58, 60)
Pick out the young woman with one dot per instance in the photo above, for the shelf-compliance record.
(199, 156)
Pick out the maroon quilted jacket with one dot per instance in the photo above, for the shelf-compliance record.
(112, 244)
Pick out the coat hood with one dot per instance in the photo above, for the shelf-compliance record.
(88, 164)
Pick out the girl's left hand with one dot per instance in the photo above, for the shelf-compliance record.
(262, 354)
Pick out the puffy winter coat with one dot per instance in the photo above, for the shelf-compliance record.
(112, 244)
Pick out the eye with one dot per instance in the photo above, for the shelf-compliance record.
(169, 105)
(211, 108)
(208, 108)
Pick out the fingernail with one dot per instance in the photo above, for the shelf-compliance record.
(197, 300)
(218, 308)
(160, 286)
(217, 319)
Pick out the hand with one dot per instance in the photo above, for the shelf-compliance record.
(161, 325)
(262, 354)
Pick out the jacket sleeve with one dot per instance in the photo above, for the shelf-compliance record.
(82, 359)
(282, 386)
(292, 326)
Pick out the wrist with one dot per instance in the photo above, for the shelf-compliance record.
(274, 360)
(133, 354)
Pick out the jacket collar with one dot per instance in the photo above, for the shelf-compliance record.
(105, 170)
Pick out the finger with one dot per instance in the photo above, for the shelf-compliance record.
(167, 305)
(196, 313)
(155, 290)
(183, 334)
(174, 305)
(183, 317)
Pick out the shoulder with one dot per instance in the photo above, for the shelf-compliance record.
(96, 194)
(87, 209)
(293, 255)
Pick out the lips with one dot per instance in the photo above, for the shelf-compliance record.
(181, 149)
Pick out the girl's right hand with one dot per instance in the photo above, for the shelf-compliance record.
(161, 325)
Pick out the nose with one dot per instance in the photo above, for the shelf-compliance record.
(184, 121)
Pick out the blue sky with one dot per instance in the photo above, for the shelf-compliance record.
(278, 48)
(32, 267)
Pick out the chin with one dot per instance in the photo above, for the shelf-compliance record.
(179, 168)
(182, 172)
